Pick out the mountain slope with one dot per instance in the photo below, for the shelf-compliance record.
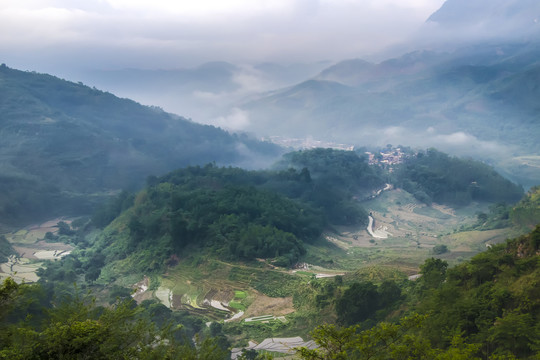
(62, 141)
(463, 12)
(487, 307)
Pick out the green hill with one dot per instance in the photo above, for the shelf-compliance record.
(238, 215)
(232, 213)
(435, 176)
(526, 213)
(65, 145)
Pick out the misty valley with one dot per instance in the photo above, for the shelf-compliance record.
(351, 209)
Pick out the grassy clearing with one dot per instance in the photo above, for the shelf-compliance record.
(238, 294)
(238, 306)
(431, 212)
(21, 270)
(475, 241)
(415, 227)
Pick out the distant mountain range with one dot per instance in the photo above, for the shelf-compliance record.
(479, 101)
(204, 93)
(64, 144)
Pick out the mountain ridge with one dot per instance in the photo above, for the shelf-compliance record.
(77, 141)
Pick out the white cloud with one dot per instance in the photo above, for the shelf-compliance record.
(238, 119)
(457, 143)
(172, 34)
(457, 138)
(202, 8)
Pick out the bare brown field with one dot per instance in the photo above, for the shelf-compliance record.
(268, 305)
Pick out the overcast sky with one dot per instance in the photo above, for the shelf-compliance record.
(60, 35)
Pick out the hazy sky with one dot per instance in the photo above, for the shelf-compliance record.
(60, 36)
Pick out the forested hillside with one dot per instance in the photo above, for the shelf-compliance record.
(527, 212)
(433, 176)
(201, 231)
(233, 213)
(339, 177)
(239, 215)
(488, 307)
(64, 145)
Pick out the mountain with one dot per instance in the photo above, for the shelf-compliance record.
(478, 101)
(518, 13)
(65, 145)
(204, 93)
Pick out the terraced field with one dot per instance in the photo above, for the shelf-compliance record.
(32, 250)
(221, 290)
(414, 229)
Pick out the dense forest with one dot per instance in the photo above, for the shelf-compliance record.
(233, 213)
(75, 327)
(433, 176)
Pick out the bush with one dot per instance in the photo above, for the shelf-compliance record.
(440, 249)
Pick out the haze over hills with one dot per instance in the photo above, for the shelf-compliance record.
(465, 84)
(63, 142)
(207, 93)
(522, 15)
(195, 256)
(477, 101)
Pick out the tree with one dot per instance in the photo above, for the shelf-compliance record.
(359, 302)
(384, 341)
(64, 228)
(440, 249)
(78, 329)
(433, 272)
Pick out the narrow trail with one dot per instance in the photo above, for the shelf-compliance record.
(377, 234)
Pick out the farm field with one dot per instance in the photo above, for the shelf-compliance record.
(31, 251)
(413, 230)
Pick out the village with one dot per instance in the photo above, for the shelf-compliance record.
(387, 157)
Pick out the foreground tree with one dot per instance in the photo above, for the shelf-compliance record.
(78, 329)
(384, 341)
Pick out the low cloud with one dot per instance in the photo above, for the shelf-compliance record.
(60, 34)
(457, 143)
(237, 119)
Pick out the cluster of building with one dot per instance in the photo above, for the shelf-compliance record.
(388, 156)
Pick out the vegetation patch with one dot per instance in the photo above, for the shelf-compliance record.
(239, 294)
(431, 212)
(237, 305)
